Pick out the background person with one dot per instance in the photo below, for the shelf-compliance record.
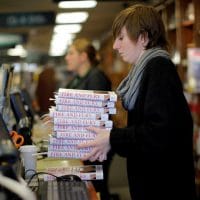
(46, 86)
(81, 59)
(157, 141)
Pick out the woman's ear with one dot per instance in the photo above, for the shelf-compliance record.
(144, 39)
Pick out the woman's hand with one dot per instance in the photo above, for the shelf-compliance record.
(100, 145)
(46, 119)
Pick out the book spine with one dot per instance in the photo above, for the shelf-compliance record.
(63, 128)
(86, 109)
(82, 102)
(82, 94)
(68, 148)
(75, 135)
(87, 94)
(83, 122)
(67, 154)
(58, 114)
(60, 142)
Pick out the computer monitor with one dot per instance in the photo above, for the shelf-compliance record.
(8, 152)
(23, 125)
(28, 105)
(17, 106)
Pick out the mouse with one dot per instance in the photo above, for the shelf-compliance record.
(69, 177)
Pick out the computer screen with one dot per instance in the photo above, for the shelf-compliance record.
(26, 98)
(17, 106)
(23, 125)
(8, 152)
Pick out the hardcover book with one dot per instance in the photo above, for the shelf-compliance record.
(83, 122)
(77, 115)
(98, 110)
(87, 94)
(83, 102)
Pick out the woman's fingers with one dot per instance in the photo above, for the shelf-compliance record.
(102, 157)
(86, 144)
(90, 155)
(95, 157)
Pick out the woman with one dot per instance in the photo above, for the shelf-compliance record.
(157, 141)
(82, 60)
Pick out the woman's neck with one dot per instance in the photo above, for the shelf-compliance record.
(84, 69)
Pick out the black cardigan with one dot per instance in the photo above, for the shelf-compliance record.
(158, 139)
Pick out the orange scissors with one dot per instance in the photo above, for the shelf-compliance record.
(17, 139)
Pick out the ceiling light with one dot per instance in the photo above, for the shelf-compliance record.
(67, 28)
(17, 51)
(72, 17)
(62, 37)
(77, 4)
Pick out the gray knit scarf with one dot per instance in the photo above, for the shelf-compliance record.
(129, 87)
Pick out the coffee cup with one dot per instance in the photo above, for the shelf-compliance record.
(28, 157)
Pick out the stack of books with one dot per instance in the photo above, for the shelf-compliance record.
(74, 111)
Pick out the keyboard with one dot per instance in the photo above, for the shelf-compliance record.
(63, 190)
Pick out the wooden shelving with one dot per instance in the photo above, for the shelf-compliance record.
(182, 20)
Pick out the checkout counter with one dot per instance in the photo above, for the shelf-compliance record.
(53, 162)
(38, 133)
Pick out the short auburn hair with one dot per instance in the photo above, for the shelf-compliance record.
(141, 19)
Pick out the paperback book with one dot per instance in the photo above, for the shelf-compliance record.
(77, 115)
(83, 122)
(83, 102)
(87, 94)
(73, 135)
(60, 141)
(98, 110)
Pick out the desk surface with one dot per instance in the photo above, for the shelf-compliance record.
(42, 164)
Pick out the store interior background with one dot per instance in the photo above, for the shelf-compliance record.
(28, 48)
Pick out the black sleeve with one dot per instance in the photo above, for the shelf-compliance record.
(164, 114)
(98, 81)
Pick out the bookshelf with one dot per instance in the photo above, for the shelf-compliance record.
(182, 20)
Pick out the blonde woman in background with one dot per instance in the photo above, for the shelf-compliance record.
(81, 59)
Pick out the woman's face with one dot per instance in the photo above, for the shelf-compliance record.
(73, 59)
(129, 50)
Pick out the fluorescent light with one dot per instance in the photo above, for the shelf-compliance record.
(60, 43)
(57, 52)
(17, 51)
(63, 36)
(67, 28)
(72, 17)
(77, 4)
